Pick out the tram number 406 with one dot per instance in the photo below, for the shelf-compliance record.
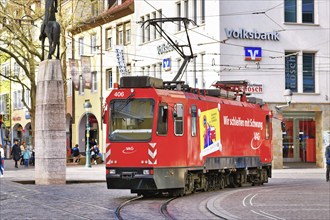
(119, 94)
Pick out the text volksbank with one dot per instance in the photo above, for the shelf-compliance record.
(253, 35)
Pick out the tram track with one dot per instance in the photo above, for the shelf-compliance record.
(162, 207)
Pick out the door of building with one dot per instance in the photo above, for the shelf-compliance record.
(298, 133)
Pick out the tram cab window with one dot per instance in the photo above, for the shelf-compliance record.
(178, 115)
(267, 127)
(193, 120)
(162, 120)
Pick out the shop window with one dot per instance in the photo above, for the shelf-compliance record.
(162, 121)
(298, 135)
(178, 115)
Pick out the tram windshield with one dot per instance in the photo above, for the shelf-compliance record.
(131, 119)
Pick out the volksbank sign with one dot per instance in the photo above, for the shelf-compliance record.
(252, 35)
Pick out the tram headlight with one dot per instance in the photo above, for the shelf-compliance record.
(112, 171)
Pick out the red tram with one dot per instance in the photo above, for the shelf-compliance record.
(165, 137)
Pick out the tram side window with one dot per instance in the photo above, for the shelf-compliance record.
(193, 120)
(267, 127)
(162, 120)
(178, 119)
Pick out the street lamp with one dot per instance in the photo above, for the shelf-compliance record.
(87, 107)
(288, 98)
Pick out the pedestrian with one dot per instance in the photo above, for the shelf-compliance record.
(16, 152)
(327, 158)
(2, 161)
(26, 156)
(76, 154)
(23, 145)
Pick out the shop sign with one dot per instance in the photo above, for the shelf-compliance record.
(17, 118)
(121, 60)
(252, 35)
(253, 53)
(254, 88)
(291, 73)
(164, 48)
(27, 115)
(167, 64)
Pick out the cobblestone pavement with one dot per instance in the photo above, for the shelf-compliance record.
(290, 194)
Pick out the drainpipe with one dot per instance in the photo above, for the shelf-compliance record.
(101, 88)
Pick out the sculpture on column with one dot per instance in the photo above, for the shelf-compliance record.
(51, 29)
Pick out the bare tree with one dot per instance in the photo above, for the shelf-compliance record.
(20, 22)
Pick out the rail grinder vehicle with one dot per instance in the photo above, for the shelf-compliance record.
(167, 137)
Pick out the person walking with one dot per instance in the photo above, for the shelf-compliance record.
(327, 159)
(26, 156)
(2, 161)
(22, 147)
(16, 152)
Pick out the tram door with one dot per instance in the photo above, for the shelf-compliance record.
(299, 139)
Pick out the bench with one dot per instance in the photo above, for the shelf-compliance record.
(72, 159)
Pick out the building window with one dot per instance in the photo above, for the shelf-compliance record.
(27, 98)
(6, 70)
(81, 85)
(143, 30)
(3, 104)
(109, 78)
(154, 30)
(95, 8)
(120, 35)
(291, 71)
(69, 87)
(178, 119)
(307, 11)
(159, 67)
(202, 11)
(81, 46)
(111, 3)
(178, 12)
(195, 11)
(17, 69)
(309, 72)
(127, 33)
(94, 81)
(147, 29)
(18, 104)
(160, 15)
(186, 9)
(162, 122)
(108, 42)
(93, 43)
(290, 10)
